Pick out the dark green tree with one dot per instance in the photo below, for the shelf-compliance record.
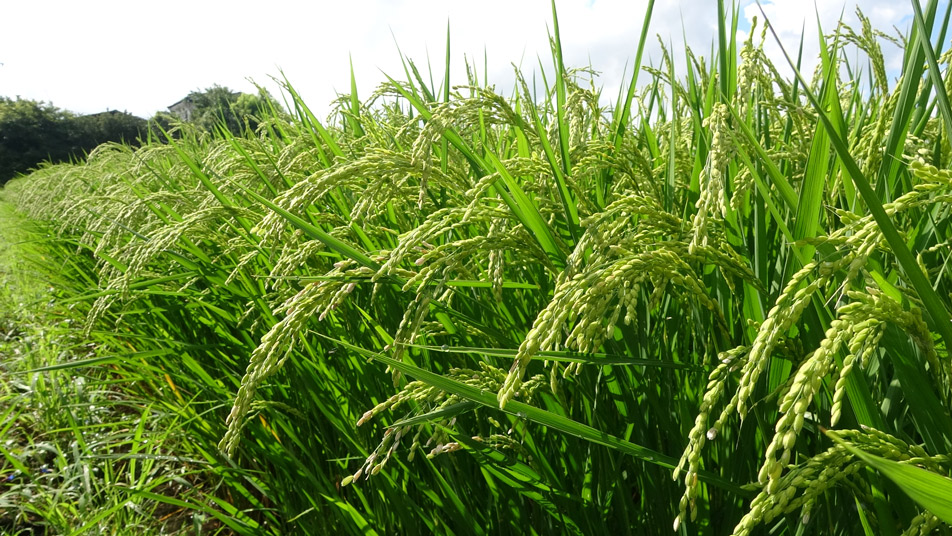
(32, 132)
(95, 129)
(219, 105)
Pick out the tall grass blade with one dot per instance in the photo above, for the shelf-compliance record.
(930, 490)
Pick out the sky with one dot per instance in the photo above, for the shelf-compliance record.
(142, 56)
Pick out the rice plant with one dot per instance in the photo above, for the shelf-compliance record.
(721, 303)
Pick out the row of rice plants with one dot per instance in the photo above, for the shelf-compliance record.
(537, 309)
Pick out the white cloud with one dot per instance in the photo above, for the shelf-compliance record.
(141, 57)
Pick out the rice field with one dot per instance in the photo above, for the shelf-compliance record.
(720, 304)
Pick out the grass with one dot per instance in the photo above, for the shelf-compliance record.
(84, 446)
(444, 310)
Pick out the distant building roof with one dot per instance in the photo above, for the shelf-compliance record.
(183, 109)
(183, 101)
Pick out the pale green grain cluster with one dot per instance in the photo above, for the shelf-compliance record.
(315, 299)
(867, 316)
(425, 399)
(585, 308)
(805, 484)
(787, 310)
(794, 404)
(712, 203)
(799, 489)
(923, 524)
(703, 430)
(631, 251)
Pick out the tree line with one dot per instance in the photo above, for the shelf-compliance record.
(33, 132)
